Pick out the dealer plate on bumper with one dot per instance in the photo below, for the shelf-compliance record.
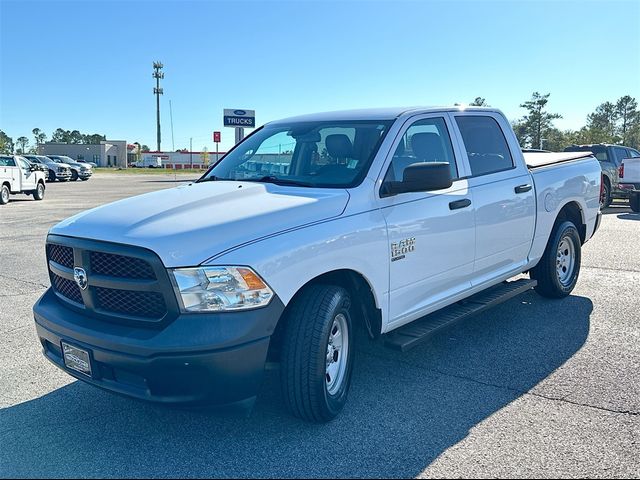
(76, 359)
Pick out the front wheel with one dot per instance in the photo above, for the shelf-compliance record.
(74, 176)
(558, 269)
(317, 353)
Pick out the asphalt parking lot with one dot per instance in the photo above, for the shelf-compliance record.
(535, 387)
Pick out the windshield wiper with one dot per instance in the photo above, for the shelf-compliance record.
(278, 181)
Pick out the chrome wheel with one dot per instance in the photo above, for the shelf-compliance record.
(566, 260)
(337, 354)
(4, 195)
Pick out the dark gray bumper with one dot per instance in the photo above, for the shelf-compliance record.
(196, 359)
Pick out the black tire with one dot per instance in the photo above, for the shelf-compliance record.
(305, 370)
(74, 175)
(52, 176)
(4, 195)
(634, 202)
(550, 269)
(605, 201)
(38, 193)
(84, 179)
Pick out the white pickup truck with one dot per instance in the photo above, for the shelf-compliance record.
(17, 175)
(399, 221)
(629, 175)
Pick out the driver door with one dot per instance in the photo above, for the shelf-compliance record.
(431, 234)
(28, 178)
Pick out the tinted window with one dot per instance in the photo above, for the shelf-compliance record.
(485, 144)
(7, 162)
(634, 153)
(425, 141)
(620, 154)
(598, 151)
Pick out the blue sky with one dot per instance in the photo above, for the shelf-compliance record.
(87, 65)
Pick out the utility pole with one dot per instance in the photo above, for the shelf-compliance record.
(158, 74)
(191, 151)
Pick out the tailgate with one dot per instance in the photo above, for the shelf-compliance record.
(631, 170)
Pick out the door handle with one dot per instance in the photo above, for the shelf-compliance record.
(465, 202)
(523, 188)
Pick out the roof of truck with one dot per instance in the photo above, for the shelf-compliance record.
(375, 113)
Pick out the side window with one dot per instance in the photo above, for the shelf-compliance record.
(23, 165)
(620, 154)
(7, 162)
(634, 153)
(485, 143)
(425, 141)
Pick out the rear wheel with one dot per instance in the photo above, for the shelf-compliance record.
(4, 195)
(605, 201)
(558, 269)
(634, 202)
(38, 193)
(317, 353)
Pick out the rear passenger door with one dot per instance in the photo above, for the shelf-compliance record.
(503, 194)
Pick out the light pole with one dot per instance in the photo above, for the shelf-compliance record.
(158, 74)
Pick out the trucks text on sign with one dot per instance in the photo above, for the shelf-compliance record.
(239, 118)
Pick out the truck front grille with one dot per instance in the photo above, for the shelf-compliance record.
(67, 288)
(120, 266)
(140, 304)
(124, 284)
(60, 254)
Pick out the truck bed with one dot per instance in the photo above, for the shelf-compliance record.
(543, 159)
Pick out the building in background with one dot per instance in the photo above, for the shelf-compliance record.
(109, 153)
(181, 160)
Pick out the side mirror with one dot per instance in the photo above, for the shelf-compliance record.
(421, 177)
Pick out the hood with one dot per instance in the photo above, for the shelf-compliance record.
(187, 225)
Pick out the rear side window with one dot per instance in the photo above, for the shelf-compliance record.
(620, 154)
(485, 143)
(7, 162)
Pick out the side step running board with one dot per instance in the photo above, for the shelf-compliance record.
(418, 331)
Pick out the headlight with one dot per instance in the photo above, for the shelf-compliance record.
(215, 289)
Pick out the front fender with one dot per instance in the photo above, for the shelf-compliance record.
(290, 260)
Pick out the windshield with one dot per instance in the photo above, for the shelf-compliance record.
(311, 154)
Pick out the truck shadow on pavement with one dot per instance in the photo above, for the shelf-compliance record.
(404, 410)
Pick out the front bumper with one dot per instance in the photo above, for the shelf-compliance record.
(63, 175)
(197, 359)
(85, 174)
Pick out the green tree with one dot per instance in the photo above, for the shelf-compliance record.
(144, 148)
(627, 110)
(39, 136)
(60, 135)
(603, 122)
(479, 102)
(23, 142)
(6, 143)
(94, 139)
(538, 121)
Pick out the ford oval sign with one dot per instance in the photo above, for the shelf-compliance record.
(239, 118)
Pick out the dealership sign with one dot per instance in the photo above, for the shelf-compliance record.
(239, 118)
